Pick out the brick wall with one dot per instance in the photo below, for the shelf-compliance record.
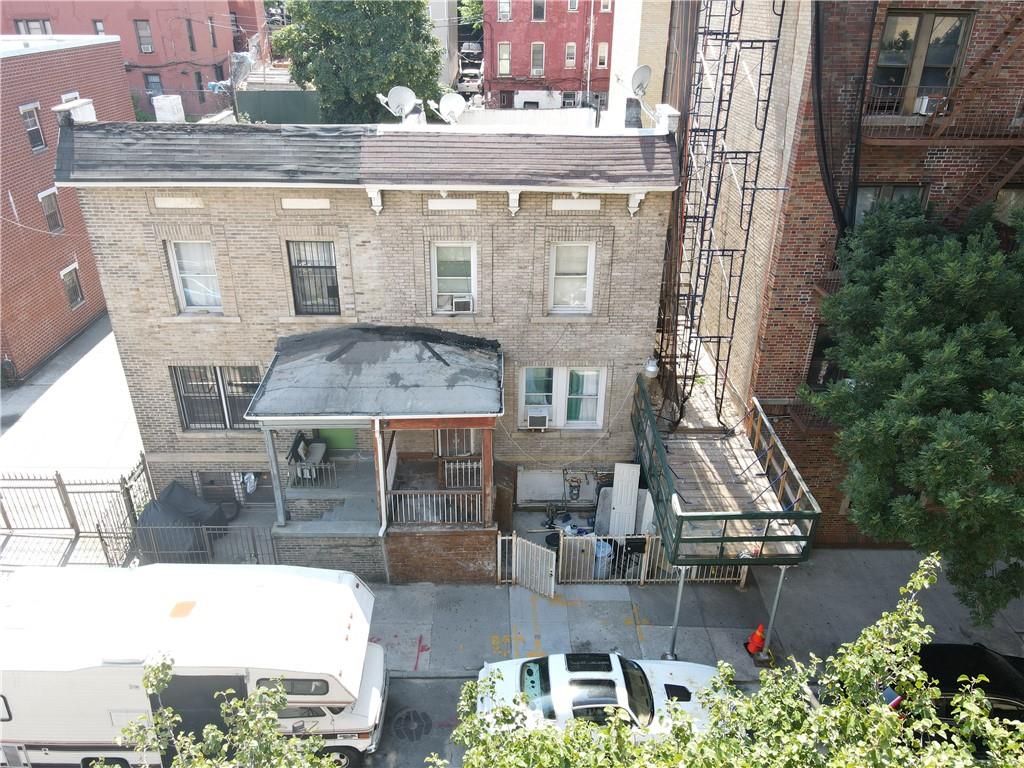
(442, 554)
(35, 315)
(362, 556)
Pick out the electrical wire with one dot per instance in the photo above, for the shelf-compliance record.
(62, 233)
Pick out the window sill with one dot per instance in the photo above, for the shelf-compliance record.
(199, 317)
(79, 304)
(599, 431)
(210, 434)
(470, 319)
(569, 317)
(39, 150)
(317, 319)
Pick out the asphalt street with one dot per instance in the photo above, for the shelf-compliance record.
(419, 721)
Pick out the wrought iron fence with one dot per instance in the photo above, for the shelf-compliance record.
(462, 473)
(439, 507)
(310, 475)
(237, 544)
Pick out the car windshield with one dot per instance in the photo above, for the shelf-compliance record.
(638, 691)
(535, 684)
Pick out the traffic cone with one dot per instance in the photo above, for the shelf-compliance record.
(755, 643)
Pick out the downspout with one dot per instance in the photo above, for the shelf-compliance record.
(590, 48)
(819, 124)
(851, 193)
(382, 497)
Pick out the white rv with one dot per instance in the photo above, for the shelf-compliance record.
(73, 643)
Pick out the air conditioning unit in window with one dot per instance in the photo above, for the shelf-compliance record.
(461, 304)
(537, 417)
(146, 48)
(923, 105)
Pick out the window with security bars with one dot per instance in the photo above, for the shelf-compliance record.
(314, 277)
(215, 397)
(51, 211)
(72, 285)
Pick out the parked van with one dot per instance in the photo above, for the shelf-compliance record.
(74, 642)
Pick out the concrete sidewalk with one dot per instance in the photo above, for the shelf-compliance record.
(436, 630)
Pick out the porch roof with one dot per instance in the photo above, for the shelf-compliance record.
(362, 371)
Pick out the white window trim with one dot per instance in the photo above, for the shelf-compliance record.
(45, 193)
(573, 6)
(28, 107)
(69, 268)
(507, 16)
(543, 57)
(433, 275)
(509, 44)
(591, 259)
(567, 64)
(69, 96)
(606, 6)
(602, 47)
(560, 397)
(172, 257)
(539, 21)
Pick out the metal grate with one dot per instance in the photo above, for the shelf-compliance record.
(198, 397)
(240, 384)
(314, 277)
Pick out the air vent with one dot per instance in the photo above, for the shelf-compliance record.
(462, 304)
(537, 417)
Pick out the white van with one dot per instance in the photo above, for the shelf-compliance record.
(74, 641)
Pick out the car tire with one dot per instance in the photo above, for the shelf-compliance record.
(345, 757)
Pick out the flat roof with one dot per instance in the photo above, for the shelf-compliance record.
(362, 371)
(389, 156)
(21, 45)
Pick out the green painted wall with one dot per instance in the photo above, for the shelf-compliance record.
(277, 107)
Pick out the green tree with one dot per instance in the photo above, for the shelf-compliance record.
(929, 330)
(472, 12)
(782, 724)
(351, 51)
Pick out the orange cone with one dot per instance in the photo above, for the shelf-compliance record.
(755, 643)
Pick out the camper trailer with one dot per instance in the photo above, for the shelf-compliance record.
(75, 643)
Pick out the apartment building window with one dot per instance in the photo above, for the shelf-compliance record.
(606, 6)
(191, 35)
(454, 273)
(213, 31)
(504, 59)
(143, 35)
(917, 61)
(537, 59)
(823, 369)
(51, 211)
(195, 276)
(97, 26)
(602, 55)
(572, 277)
(218, 72)
(570, 397)
(574, 5)
(69, 96)
(234, 21)
(868, 195)
(568, 99)
(214, 397)
(154, 85)
(539, 10)
(314, 274)
(570, 55)
(199, 87)
(72, 285)
(504, 10)
(30, 117)
(33, 27)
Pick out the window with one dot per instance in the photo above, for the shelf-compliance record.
(314, 277)
(454, 273)
(568, 99)
(570, 55)
(144, 35)
(590, 697)
(867, 196)
(574, 5)
(199, 87)
(233, 16)
(70, 96)
(504, 10)
(602, 55)
(5, 710)
(606, 6)
(537, 59)
(506, 99)
(97, 26)
(504, 59)
(195, 276)
(30, 117)
(218, 72)
(154, 85)
(215, 398)
(638, 690)
(535, 683)
(213, 32)
(33, 26)
(72, 285)
(539, 8)
(51, 210)
(191, 35)
(573, 398)
(297, 686)
(823, 369)
(572, 277)
(914, 78)
(293, 713)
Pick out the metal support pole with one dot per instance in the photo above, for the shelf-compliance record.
(275, 478)
(671, 654)
(763, 656)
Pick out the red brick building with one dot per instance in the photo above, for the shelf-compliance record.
(49, 288)
(167, 47)
(547, 54)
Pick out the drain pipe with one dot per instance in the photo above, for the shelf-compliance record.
(382, 491)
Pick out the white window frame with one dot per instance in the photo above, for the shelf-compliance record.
(145, 83)
(606, 6)
(52, 191)
(504, 10)
(23, 110)
(78, 278)
(574, 5)
(575, 97)
(508, 72)
(172, 257)
(98, 27)
(139, 36)
(69, 96)
(433, 275)
(533, 10)
(591, 259)
(534, 72)
(22, 26)
(602, 55)
(570, 61)
(560, 397)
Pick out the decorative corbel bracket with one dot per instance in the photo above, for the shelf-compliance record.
(633, 204)
(376, 203)
(513, 201)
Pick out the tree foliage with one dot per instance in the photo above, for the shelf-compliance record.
(781, 725)
(351, 51)
(472, 11)
(929, 330)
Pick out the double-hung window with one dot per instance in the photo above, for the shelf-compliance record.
(314, 274)
(570, 55)
(154, 85)
(504, 10)
(602, 55)
(195, 276)
(539, 10)
(574, 5)
(30, 117)
(199, 87)
(571, 398)
(571, 286)
(568, 99)
(72, 285)
(213, 32)
(212, 397)
(191, 35)
(143, 35)
(868, 195)
(454, 273)
(97, 26)
(504, 59)
(537, 59)
(51, 210)
(33, 26)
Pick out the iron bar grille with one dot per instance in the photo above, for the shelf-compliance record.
(215, 398)
(240, 384)
(314, 277)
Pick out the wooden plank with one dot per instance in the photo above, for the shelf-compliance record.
(472, 422)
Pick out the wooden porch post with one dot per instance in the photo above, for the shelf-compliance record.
(487, 474)
(275, 478)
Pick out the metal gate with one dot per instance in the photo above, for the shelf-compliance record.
(529, 565)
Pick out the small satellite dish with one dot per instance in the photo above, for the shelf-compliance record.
(451, 107)
(638, 82)
(401, 100)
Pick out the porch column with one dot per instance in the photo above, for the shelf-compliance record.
(487, 473)
(275, 476)
(380, 473)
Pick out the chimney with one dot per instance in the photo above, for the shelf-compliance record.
(168, 109)
(666, 118)
(78, 110)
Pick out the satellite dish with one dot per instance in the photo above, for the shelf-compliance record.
(638, 82)
(401, 100)
(451, 107)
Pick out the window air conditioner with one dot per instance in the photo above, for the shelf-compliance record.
(921, 106)
(146, 48)
(462, 304)
(537, 417)
(537, 72)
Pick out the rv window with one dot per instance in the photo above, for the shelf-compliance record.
(5, 711)
(297, 687)
(335, 710)
(293, 712)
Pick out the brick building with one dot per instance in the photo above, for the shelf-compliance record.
(920, 99)
(167, 47)
(535, 281)
(48, 281)
(547, 54)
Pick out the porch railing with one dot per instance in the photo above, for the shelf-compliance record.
(461, 472)
(308, 475)
(439, 507)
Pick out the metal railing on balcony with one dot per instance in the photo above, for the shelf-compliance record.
(435, 507)
(461, 472)
(940, 113)
(310, 475)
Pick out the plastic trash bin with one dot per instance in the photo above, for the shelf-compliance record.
(602, 560)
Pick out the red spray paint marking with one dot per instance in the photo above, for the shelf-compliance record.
(420, 650)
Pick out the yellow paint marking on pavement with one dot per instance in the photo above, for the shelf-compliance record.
(564, 602)
(637, 622)
(537, 650)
